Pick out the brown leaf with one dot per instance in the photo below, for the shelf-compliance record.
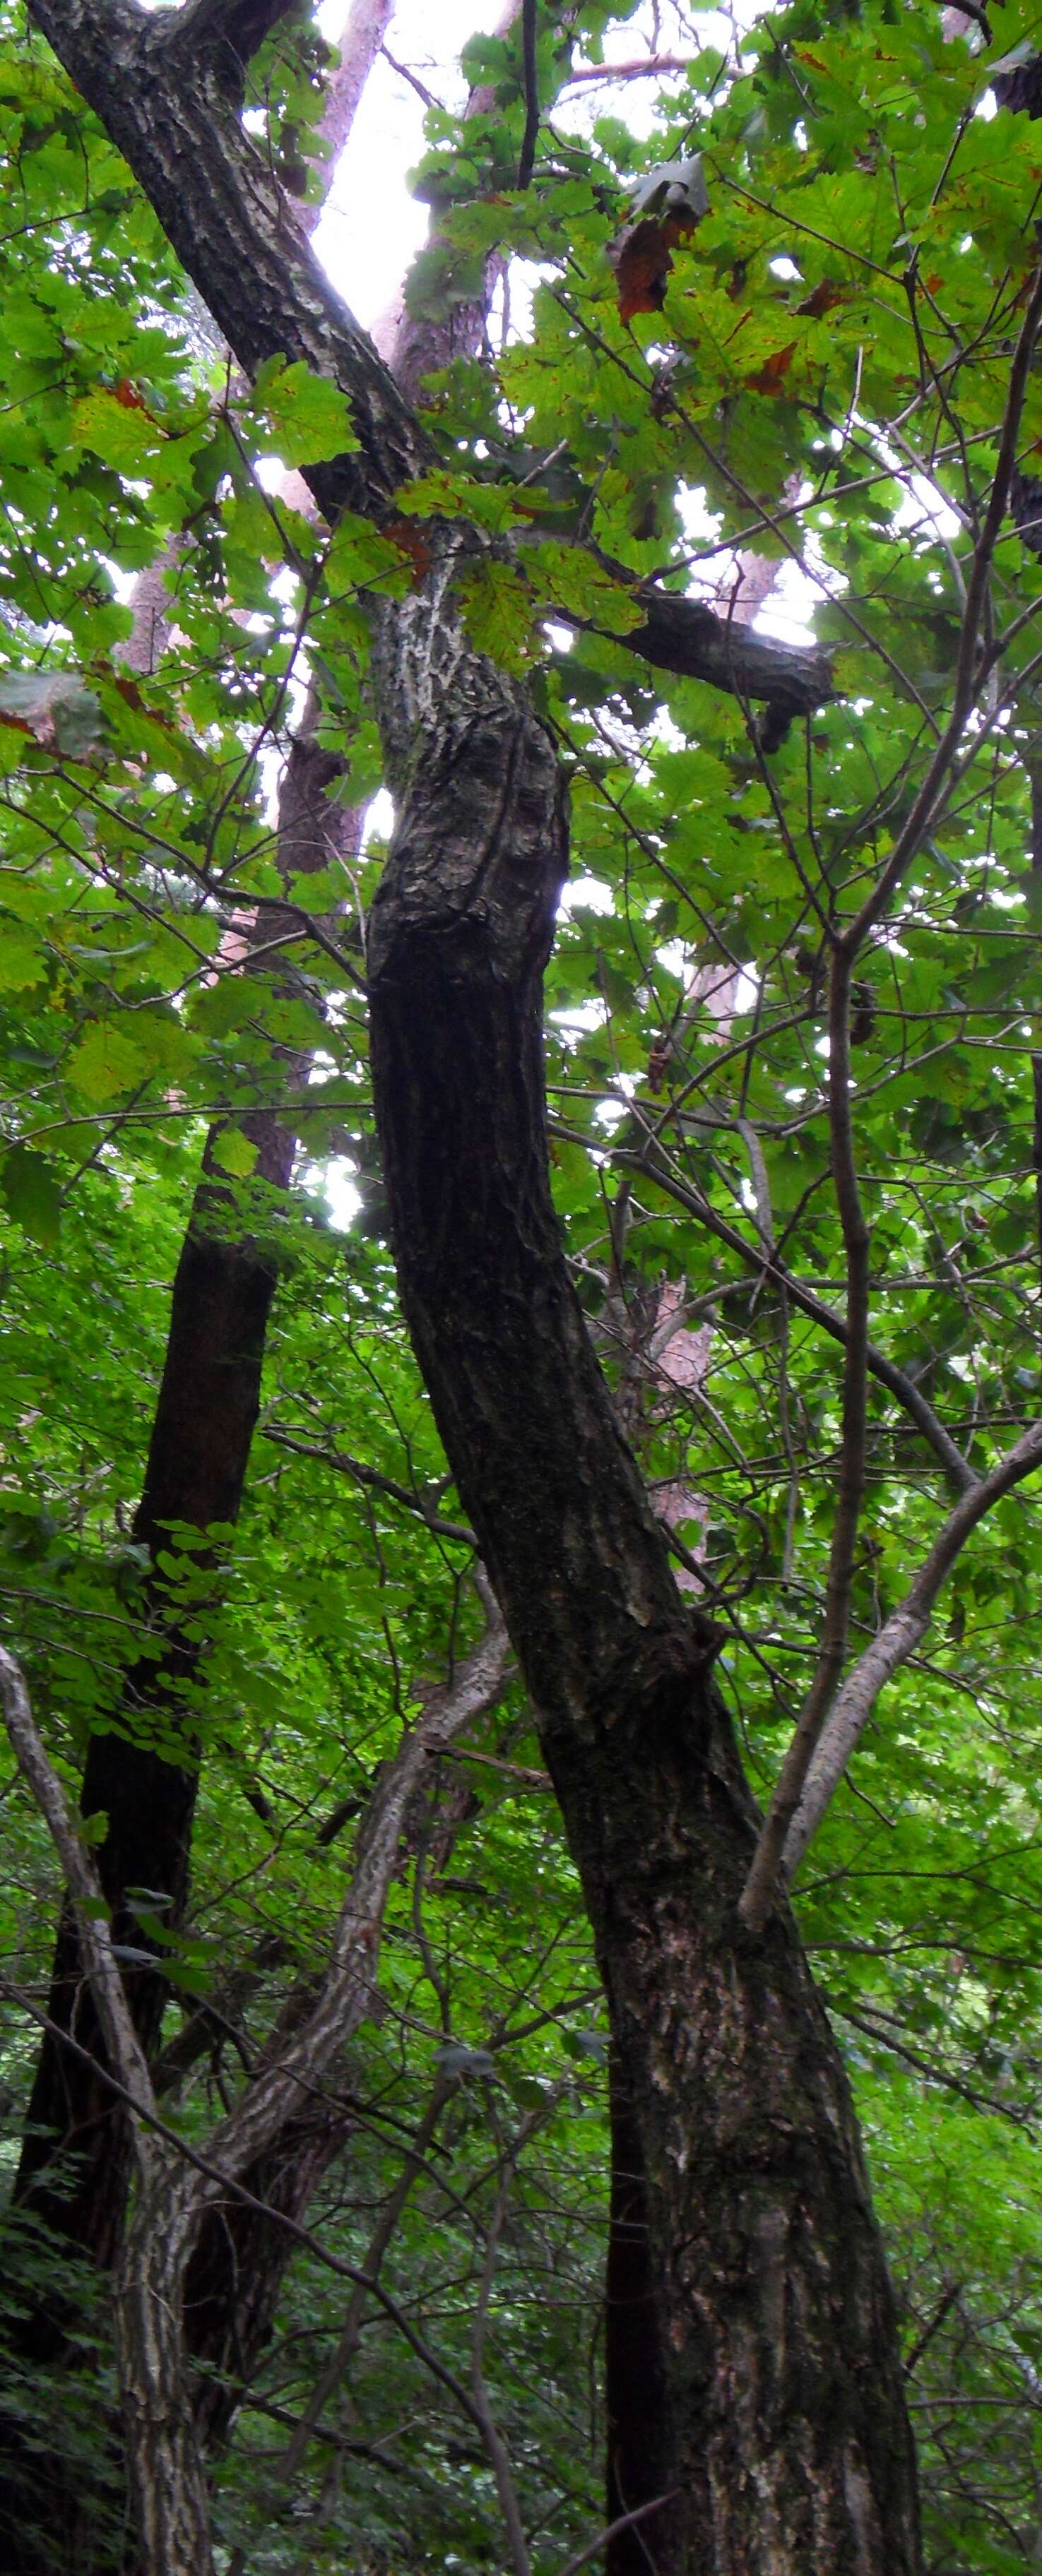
(642, 256)
(767, 379)
(408, 536)
(822, 298)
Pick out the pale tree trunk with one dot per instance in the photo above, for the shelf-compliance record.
(176, 2192)
(767, 2310)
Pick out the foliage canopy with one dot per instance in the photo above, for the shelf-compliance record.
(821, 384)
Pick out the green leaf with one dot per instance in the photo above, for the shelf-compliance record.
(31, 1194)
(56, 708)
(106, 1063)
(121, 432)
(234, 1153)
(497, 612)
(309, 418)
(23, 961)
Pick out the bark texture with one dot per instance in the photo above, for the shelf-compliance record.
(785, 2426)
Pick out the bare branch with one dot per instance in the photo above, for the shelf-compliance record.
(526, 163)
(344, 1465)
(642, 67)
(761, 1884)
(897, 1639)
(769, 1266)
(624, 2522)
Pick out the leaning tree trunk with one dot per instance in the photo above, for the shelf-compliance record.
(766, 2314)
(785, 2440)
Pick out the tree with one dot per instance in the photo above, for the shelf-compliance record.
(829, 330)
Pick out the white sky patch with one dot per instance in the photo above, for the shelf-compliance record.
(789, 611)
(379, 821)
(334, 1186)
(372, 228)
(580, 1018)
(586, 894)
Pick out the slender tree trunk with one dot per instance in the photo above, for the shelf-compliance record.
(208, 1401)
(198, 1453)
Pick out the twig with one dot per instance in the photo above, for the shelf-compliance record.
(932, 2326)
(771, 1266)
(625, 2522)
(972, 9)
(344, 1465)
(405, 74)
(929, 803)
(644, 67)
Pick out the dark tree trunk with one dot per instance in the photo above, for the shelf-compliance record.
(205, 1415)
(198, 1453)
(639, 2451)
(234, 2280)
(784, 2419)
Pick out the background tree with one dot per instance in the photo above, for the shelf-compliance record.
(841, 1165)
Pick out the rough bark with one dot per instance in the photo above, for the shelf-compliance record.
(784, 2421)
(638, 2450)
(234, 2278)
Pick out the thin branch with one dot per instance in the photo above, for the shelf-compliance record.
(929, 803)
(402, 69)
(371, 1477)
(759, 1891)
(526, 163)
(624, 2522)
(644, 67)
(84, 1885)
(208, 2172)
(972, 9)
(896, 1640)
(770, 1266)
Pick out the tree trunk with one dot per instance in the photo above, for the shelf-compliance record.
(198, 1453)
(785, 2428)
(205, 1414)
